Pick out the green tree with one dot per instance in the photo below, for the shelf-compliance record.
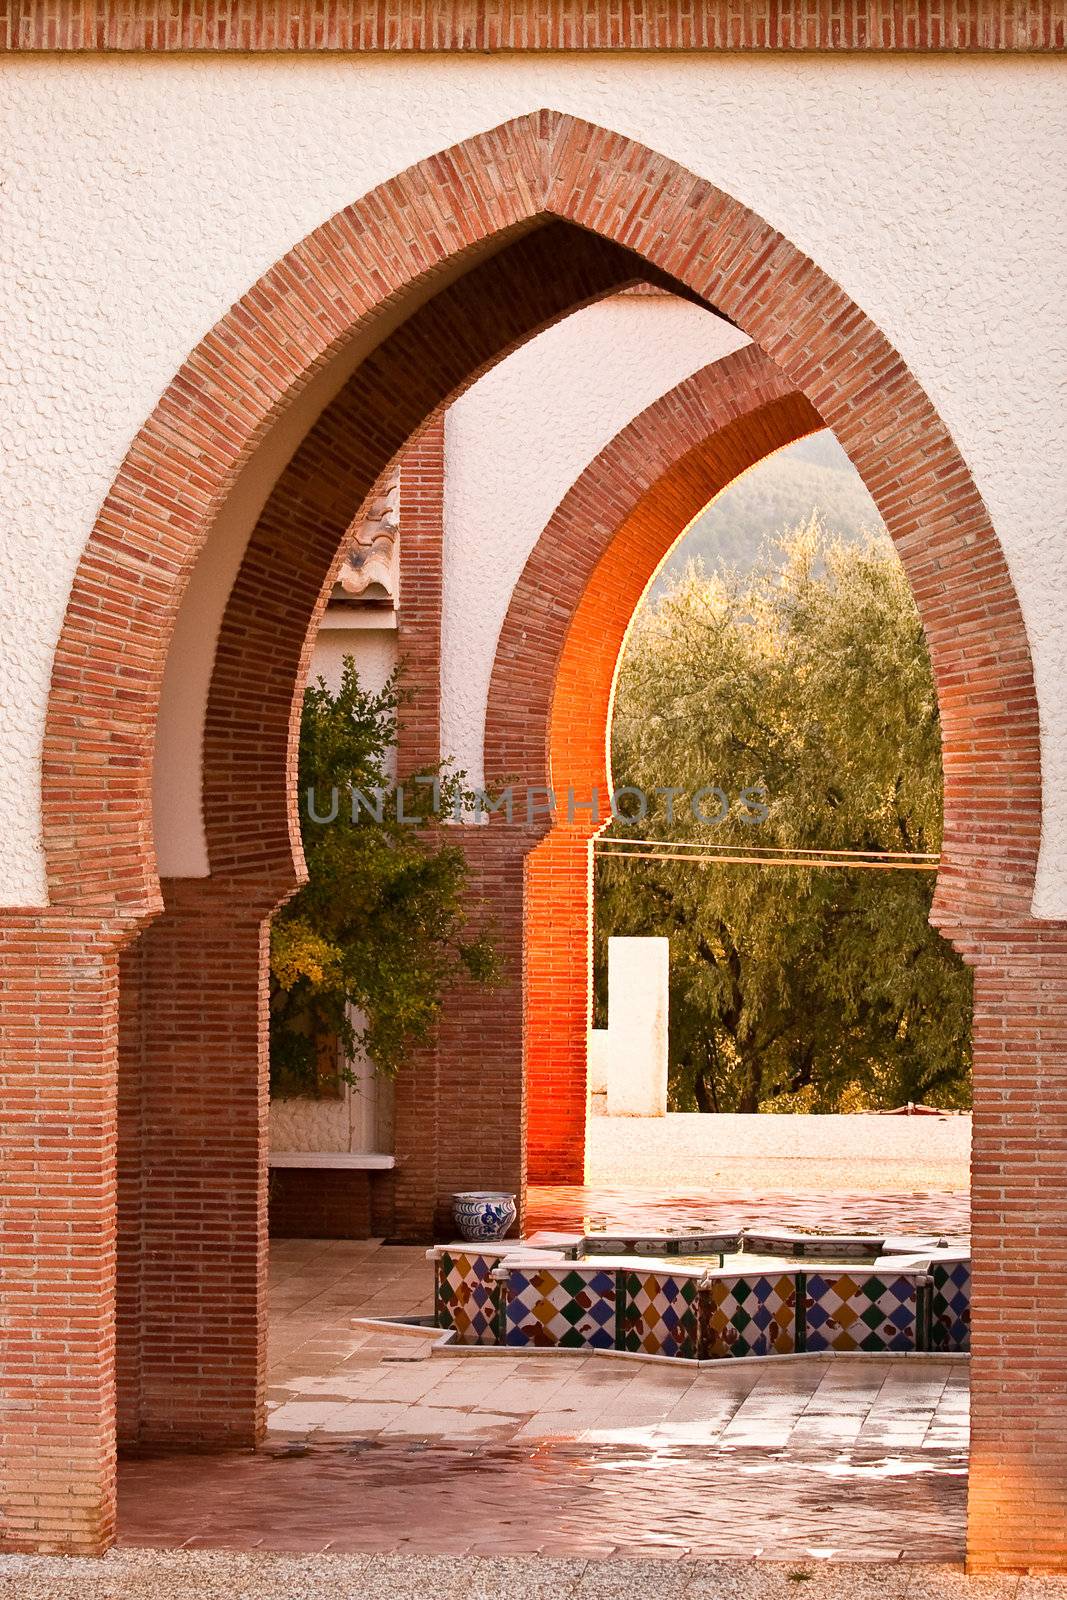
(792, 989)
(379, 925)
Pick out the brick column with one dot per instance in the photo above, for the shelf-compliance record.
(415, 1117)
(194, 1172)
(461, 1115)
(460, 1110)
(558, 996)
(1017, 1506)
(58, 1059)
(129, 1193)
(481, 1132)
(421, 524)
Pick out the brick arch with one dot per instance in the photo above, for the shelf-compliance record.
(366, 268)
(548, 712)
(419, 243)
(555, 660)
(249, 794)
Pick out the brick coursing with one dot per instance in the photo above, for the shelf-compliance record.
(58, 1046)
(417, 1093)
(193, 1178)
(621, 213)
(500, 26)
(320, 1203)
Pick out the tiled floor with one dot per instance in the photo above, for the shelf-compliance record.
(377, 1446)
(590, 1459)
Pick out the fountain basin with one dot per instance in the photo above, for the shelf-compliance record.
(708, 1296)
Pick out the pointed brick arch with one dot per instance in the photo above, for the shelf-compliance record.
(547, 719)
(427, 244)
(372, 265)
(555, 658)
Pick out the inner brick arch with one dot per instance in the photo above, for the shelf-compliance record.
(358, 278)
(548, 712)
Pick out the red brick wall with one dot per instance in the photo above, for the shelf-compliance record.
(320, 1203)
(421, 518)
(193, 1223)
(624, 212)
(59, 997)
(130, 1168)
(460, 1116)
(481, 1113)
(508, 25)
(558, 959)
(1017, 1482)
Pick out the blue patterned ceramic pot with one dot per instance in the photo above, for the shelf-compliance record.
(483, 1214)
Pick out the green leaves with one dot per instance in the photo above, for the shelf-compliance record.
(378, 930)
(793, 989)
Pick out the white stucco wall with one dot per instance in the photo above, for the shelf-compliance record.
(514, 444)
(926, 186)
(373, 650)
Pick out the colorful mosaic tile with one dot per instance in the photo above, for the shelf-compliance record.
(572, 1307)
(951, 1321)
(750, 1316)
(659, 1314)
(860, 1311)
(467, 1296)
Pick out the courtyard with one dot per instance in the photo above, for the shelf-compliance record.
(382, 1441)
(378, 1443)
(634, 429)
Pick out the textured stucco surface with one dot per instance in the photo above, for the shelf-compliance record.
(140, 197)
(514, 444)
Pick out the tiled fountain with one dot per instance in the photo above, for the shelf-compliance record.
(708, 1296)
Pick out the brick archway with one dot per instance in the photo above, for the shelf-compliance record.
(619, 213)
(437, 273)
(547, 719)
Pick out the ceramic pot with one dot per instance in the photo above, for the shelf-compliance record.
(483, 1215)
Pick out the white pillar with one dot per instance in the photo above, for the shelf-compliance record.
(638, 981)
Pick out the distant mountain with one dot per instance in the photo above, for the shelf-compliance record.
(813, 474)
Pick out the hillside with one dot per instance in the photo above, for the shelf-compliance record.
(812, 474)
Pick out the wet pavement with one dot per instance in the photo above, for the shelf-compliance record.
(557, 1497)
(629, 1209)
(376, 1445)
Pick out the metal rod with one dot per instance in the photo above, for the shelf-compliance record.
(774, 861)
(769, 849)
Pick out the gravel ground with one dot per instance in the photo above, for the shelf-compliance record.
(230, 1575)
(824, 1154)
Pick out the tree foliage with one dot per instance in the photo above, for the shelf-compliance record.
(379, 925)
(792, 989)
